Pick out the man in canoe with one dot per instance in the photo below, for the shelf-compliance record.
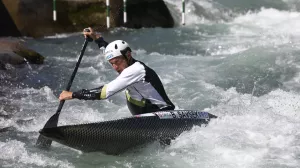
(144, 90)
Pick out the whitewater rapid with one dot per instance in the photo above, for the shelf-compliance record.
(239, 64)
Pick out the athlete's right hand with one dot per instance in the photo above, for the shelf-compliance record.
(89, 32)
(65, 95)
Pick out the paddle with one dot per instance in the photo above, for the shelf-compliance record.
(42, 141)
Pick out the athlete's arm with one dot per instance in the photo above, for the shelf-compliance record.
(88, 94)
(129, 76)
(100, 42)
(126, 78)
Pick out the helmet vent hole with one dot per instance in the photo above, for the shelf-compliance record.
(116, 46)
(123, 42)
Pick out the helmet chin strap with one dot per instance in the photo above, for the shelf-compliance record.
(129, 61)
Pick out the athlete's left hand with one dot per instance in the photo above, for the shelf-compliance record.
(65, 95)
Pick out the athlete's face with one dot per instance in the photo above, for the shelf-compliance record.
(119, 63)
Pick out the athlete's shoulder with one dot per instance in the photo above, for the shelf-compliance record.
(136, 69)
(137, 66)
(141, 63)
(147, 68)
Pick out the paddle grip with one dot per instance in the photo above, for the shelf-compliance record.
(89, 39)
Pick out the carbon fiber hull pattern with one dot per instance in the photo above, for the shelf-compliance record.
(117, 136)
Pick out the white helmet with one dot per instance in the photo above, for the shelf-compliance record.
(115, 49)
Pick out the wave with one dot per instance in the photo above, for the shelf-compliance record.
(210, 11)
(269, 21)
(17, 153)
(63, 35)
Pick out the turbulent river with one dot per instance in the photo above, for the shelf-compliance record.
(236, 59)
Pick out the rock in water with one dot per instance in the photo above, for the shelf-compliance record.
(13, 52)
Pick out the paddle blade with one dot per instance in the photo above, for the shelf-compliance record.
(52, 122)
(43, 142)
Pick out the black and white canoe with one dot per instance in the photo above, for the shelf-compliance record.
(117, 136)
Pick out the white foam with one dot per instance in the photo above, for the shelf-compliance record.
(15, 153)
(248, 141)
(4, 123)
(284, 103)
(250, 132)
(89, 70)
(33, 103)
(268, 22)
(65, 59)
(48, 94)
(229, 51)
(62, 35)
(200, 11)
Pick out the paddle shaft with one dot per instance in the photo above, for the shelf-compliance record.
(52, 122)
(61, 104)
